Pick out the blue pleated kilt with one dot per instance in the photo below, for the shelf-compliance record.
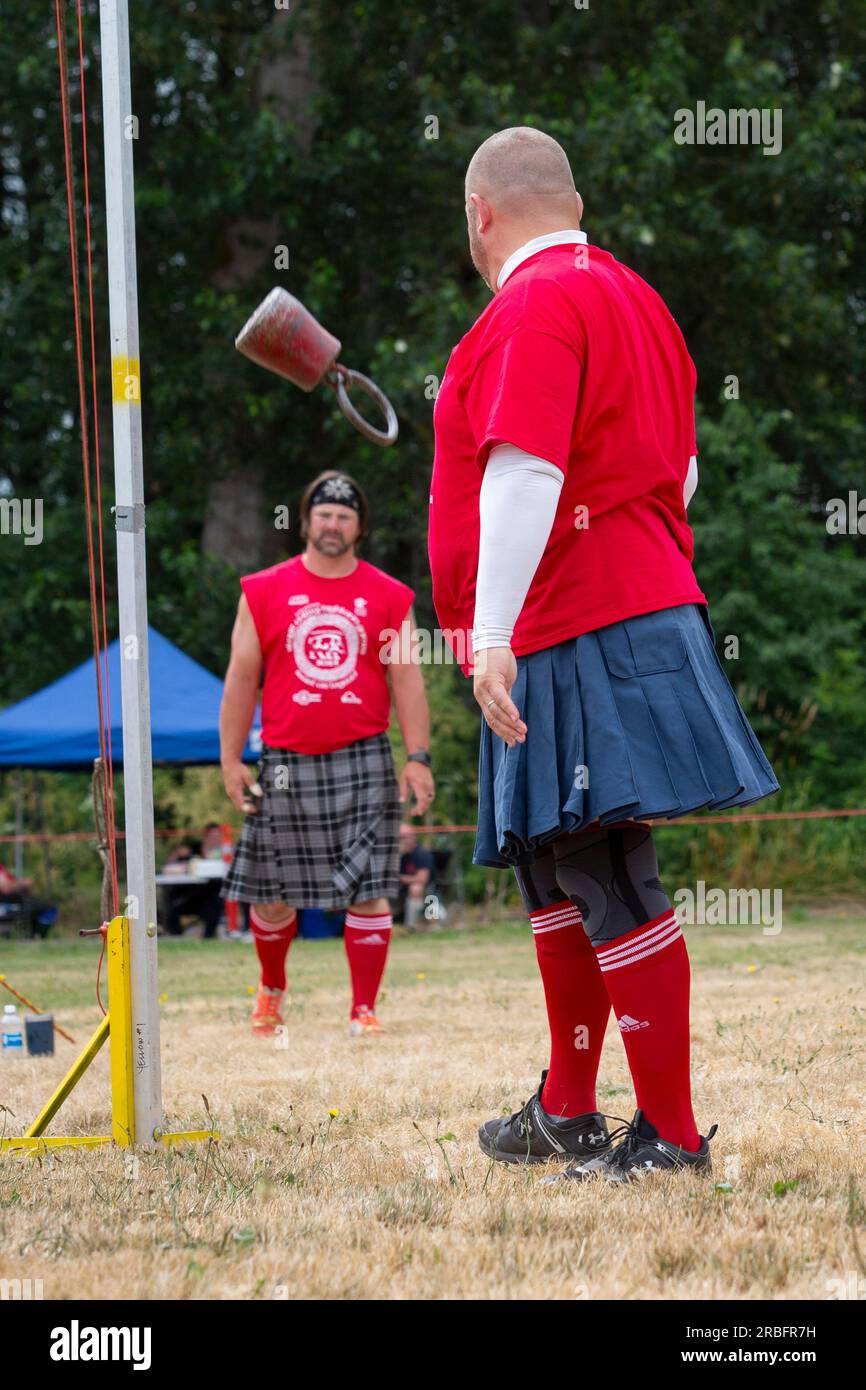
(632, 721)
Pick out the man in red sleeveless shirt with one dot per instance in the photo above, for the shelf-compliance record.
(326, 631)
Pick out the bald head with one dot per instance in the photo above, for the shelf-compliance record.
(519, 185)
(523, 171)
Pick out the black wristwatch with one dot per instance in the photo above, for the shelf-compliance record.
(422, 756)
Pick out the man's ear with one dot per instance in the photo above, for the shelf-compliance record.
(481, 213)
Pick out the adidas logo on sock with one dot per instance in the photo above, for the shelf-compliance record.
(374, 940)
(630, 1025)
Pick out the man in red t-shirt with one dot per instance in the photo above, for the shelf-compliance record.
(328, 637)
(561, 557)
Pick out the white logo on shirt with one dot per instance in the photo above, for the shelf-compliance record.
(348, 697)
(306, 697)
(298, 598)
(325, 641)
(361, 607)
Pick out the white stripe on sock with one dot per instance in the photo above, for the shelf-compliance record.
(539, 913)
(620, 948)
(262, 925)
(381, 922)
(662, 945)
(554, 917)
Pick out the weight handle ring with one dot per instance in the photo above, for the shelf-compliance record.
(342, 378)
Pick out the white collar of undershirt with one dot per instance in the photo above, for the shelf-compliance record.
(538, 243)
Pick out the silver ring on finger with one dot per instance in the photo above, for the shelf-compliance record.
(490, 702)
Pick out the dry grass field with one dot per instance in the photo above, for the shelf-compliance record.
(349, 1169)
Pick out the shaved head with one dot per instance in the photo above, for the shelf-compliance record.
(519, 185)
(521, 170)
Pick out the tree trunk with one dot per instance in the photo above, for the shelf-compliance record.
(236, 525)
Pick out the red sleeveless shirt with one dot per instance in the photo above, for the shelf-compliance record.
(325, 676)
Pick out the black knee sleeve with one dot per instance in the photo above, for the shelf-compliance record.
(537, 882)
(612, 876)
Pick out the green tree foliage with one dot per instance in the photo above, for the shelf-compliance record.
(759, 257)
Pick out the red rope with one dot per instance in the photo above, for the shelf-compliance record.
(99, 973)
(101, 685)
(709, 819)
(112, 834)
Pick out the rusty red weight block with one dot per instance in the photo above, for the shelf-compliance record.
(283, 336)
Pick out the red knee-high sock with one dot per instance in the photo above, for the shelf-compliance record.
(367, 940)
(272, 941)
(647, 977)
(578, 1008)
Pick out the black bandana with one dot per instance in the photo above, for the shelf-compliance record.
(339, 491)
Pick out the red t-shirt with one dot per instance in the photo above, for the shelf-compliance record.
(576, 360)
(324, 645)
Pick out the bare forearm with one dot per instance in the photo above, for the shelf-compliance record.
(410, 703)
(236, 716)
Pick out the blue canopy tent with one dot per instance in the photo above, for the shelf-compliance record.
(58, 727)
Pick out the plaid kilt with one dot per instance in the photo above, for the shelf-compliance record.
(326, 829)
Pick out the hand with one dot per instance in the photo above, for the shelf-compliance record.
(241, 786)
(494, 673)
(417, 779)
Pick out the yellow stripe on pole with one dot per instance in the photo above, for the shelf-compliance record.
(126, 380)
(120, 1013)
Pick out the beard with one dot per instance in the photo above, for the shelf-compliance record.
(479, 256)
(329, 543)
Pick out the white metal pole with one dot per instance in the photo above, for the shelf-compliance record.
(119, 127)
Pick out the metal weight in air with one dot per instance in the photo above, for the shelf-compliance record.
(342, 379)
(284, 337)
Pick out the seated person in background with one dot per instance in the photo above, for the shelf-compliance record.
(200, 900)
(37, 913)
(416, 871)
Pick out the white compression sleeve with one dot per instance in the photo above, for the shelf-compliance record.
(691, 481)
(517, 505)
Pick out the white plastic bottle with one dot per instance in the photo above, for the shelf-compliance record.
(12, 1037)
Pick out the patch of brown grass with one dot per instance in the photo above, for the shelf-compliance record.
(391, 1198)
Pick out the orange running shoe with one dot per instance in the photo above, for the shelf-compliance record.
(365, 1023)
(266, 1015)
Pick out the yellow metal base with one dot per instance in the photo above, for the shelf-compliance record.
(35, 1145)
(42, 1143)
(117, 1027)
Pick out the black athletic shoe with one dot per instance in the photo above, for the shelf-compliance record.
(639, 1152)
(530, 1135)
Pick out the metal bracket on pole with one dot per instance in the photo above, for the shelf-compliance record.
(129, 518)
